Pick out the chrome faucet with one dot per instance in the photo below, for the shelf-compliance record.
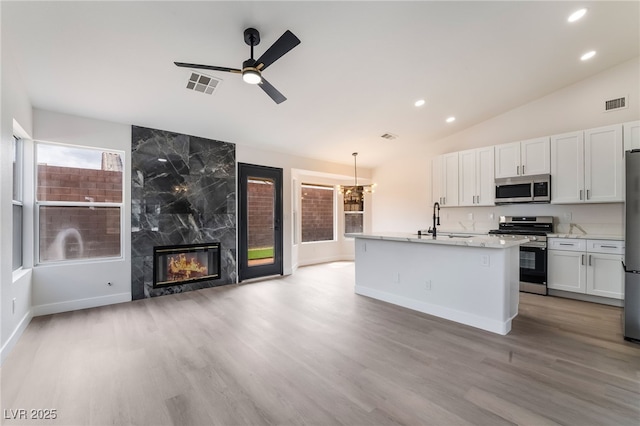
(436, 219)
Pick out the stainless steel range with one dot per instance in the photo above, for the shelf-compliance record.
(533, 255)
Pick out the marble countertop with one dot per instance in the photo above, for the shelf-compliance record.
(471, 241)
(588, 236)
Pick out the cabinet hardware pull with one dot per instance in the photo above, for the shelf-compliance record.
(518, 170)
(608, 246)
(566, 244)
(588, 194)
(523, 169)
(589, 260)
(581, 194)
(582, 259)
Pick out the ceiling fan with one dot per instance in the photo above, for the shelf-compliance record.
(251, 68)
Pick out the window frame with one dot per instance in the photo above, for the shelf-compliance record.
(17, 179)
(40, 203)
(334, 211)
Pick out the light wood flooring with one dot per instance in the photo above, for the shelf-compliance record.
(305, 349)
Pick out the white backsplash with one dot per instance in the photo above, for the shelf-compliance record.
(600, 219)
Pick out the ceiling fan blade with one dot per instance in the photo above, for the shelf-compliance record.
(272, 91)
(285, 43)
(208, 67)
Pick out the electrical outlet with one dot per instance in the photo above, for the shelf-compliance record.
(469, 216)
(396, 277)
(427, 285)
(567, 217)
(491, 216)
(484, 260)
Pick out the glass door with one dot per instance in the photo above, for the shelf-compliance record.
(260, 221)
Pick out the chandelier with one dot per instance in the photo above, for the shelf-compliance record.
(354, 194)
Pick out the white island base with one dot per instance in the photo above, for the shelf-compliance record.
(472, 281)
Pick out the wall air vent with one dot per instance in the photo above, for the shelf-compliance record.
(389, 136)
(203, 83)
(614, 104)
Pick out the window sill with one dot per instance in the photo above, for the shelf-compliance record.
(19, 273)
(304, 243)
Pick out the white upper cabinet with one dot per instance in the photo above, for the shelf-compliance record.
(603, 165)
(475, 177)
(631, 135)
(525, 158)
(445, 179)
(567, 168)
(586, 167)
(507, 161)
(535, 157)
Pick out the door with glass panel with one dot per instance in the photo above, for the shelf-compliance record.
(260, 221)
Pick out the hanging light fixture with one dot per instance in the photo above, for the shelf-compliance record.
(353, 195)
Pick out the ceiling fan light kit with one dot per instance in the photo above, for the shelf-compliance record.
(251, 68)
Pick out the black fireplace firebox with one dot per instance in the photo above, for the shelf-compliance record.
(185, 264)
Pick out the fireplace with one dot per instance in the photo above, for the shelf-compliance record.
(185, 264)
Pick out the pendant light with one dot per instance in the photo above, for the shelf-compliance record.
(353, 195)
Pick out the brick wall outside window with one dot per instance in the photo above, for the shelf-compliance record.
(71, 232)
(317, 213)
(260, 213)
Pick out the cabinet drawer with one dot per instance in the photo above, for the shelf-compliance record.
(605, 246)
(567, 244)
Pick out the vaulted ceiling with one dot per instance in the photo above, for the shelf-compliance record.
(355, 76)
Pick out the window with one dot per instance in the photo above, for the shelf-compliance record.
(17, 204)
(79, 203)
(354, 210)
(353, 222)
(317, 208)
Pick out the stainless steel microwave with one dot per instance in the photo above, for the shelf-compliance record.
(523, 189)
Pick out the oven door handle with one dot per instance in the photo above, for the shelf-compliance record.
(533, 244)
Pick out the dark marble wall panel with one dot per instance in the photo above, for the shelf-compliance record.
(188, 198)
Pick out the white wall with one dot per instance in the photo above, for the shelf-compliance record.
(15, 105)
(78, 285)
(403, 198)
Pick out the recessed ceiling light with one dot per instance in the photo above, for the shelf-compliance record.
(588, 55)
(451, 119)
(419, 103)
(576, 15)
(162, 160)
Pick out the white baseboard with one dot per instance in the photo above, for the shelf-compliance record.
(487, 324)
(326, 259)
(15, 336)
(74, 305)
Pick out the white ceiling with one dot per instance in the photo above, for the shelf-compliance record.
(355, 76)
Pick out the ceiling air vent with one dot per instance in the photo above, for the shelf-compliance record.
(614, 104)
(203, 83)
(389, 136)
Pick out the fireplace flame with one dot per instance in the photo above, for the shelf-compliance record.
(180, 268)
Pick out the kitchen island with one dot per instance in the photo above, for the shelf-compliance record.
(473, 280)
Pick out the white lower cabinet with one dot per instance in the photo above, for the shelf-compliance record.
(566, 271)
(586, 266)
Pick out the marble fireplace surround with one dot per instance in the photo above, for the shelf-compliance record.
(183, 191)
